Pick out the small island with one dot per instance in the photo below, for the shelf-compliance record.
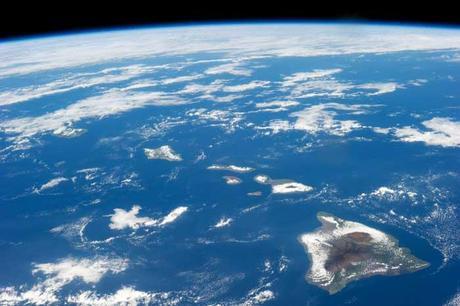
(342, 251)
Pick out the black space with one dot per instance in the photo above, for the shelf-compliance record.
(19, 18)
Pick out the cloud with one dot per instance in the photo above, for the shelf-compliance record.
(59, 274)
(233, 168)
(260, 297)
(77, 81)
(230, 68)
(181, 79)
(173, 215)
(122, 219)
(282, 186)
(229, 120)
(290, 187)
(51, 184)
(163, 152)
(282, 104)
(109, 103)
(380, 88)
(299, 77)
(322, 83)
(208, 89)
(68, 51)
(321, 118)
(223, 222)
(123, 296)
(245, 87)
(441, 132)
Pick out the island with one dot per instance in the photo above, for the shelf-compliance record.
(342, 251)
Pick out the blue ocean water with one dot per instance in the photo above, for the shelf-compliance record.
(225, 264)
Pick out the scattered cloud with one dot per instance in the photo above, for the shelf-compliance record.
(441, 132)
(123, 296)
(223, 222)
(301, 77)
(163, 152)
(51, 184)
(66, 84)
(235, 68)
(109, 103)
(322, 83)
(233, 168)
(259, 40)
(245, 87)
(59, 274)
(282, 104)
(122, 219)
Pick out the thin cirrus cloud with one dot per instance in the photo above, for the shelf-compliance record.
(260, 40)
(109, 103)
(235, 68)
(73, 82)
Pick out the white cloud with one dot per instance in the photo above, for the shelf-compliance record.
(290, 187)
(207, 89)
(381, 130)
(173, 215)
(322, 118)
(380, 88)
(322, 83)
(122, 219)
(58, 275)
(223, 222)
(223, 99)
(163, 152)
(229, 120)
(244, 87)
(383, 191)
(51, 184)
(235, 68)
(282, 104)
(299, 77)
(185, 78)
(112, 102)
(441, 132)
(282, 186)
(455, 299)
(69, 83)
(124, 296)
(276, 126)
(233, 40)
(232, 180)
(239, 169)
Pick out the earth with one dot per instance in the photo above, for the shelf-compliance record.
(195, 164)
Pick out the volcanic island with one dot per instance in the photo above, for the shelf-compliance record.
(342, 251)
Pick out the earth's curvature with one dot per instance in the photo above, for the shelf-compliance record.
(285, 164)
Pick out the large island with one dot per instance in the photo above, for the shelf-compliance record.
(342, 251)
